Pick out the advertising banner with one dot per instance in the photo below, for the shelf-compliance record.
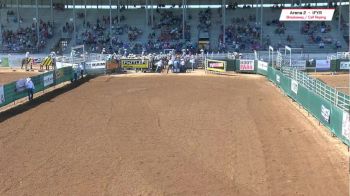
(2, 94)
(345, 65)
(246, 65)
(299, 64)
(215, 64)
(134, 63)
(20, 85)
(59, 73)
(278, 78)
(4, 62)
(262, 65)
(325, 112)
(294, 86)
(323, 65)
(346, 125)
(48, 80)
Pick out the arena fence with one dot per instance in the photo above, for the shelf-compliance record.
(329, 106)
(14, 91)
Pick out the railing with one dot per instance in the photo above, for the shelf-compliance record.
(337, 98)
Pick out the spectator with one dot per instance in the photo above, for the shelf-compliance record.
(30, 88)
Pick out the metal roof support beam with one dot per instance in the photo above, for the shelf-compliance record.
(152, 14)
(110, 22)
(223, 21)
(261, 24)
(118, 9)
(74, 25)
(85, 11)
(339, 17)
(37, 24)
(51, 10)
(183, 19)
(18, 16)
(147, 15)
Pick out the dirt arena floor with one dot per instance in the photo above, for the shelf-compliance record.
(7, 77)
(168, 135)
(340, 80)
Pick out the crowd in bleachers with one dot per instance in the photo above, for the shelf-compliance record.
(243, 34)
(204, 20)
(25, 38)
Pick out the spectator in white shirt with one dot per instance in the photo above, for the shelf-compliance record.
(30, 88)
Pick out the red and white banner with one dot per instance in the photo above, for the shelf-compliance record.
(246, 65)
(215, 64)
(294, 14)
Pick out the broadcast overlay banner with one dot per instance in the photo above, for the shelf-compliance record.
(306, 14)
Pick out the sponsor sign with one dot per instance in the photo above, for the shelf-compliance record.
(48, 80)
(294, 14)
(345, 65)
(2, 94)
(294, 86)
(262, 65)
(346, 125)
(20, 85)
(134, 63)
(59, 73)
(278, 78)
(299, 64)
(246, 65)
(325, 112)
(323, 64)
(4, 62)
(215, 64)
(60, 65)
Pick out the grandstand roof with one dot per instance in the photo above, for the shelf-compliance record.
(168, 2)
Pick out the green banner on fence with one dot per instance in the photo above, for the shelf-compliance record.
(330, 115)
(16, 90)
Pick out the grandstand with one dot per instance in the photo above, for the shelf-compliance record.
(153, 26)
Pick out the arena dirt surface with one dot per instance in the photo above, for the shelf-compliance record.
(7, 77)
(340, 80)
(168, 135)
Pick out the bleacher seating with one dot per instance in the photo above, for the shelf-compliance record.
(242, 30)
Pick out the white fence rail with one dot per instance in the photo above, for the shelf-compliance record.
(339, 99)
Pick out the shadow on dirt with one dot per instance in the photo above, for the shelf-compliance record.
(16, 110)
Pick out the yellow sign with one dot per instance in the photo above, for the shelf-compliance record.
(135, 63)
(215, 65)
